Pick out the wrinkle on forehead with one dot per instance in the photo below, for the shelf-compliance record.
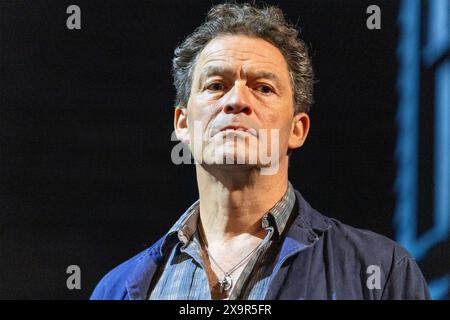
(246, 51)
(238, 47)
(240, 54)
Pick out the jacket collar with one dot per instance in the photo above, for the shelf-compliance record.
(309, 217)
(304, 232)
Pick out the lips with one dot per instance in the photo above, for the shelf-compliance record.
(239, 127)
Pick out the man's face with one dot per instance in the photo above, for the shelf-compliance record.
(240, 85)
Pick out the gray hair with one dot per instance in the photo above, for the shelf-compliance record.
(266, 22)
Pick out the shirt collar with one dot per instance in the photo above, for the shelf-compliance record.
(303, 232)
(282, 210)
(185, 227)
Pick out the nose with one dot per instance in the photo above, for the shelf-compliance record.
(238, 100)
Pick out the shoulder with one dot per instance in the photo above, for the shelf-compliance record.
(355, 257)
(366, 243)
(374, 256)
(347, 240)
(113, 285)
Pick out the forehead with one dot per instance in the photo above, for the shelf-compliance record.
(244, 52)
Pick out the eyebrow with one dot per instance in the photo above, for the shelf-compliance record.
(211, 71)
(266, 75)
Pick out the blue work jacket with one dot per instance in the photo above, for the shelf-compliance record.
(320, 258)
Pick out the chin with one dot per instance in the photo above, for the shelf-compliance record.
(231, 155)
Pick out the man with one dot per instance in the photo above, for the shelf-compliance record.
(244, 87)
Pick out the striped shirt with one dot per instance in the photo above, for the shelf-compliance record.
(182, 275)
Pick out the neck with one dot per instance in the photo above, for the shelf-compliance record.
(233, 202)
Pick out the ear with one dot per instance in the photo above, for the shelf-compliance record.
(180, 123)
(299, 130)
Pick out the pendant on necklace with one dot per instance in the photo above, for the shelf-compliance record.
(225, 284)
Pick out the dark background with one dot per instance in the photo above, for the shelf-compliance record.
(86, 120)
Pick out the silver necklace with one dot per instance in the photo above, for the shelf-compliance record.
(226, 283)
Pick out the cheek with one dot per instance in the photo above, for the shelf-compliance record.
(275, 120)
(201, 109)
(206, 110)
(284, 126)
(199, 120)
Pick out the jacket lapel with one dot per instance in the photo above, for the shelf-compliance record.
(301, 235)
(138, 282)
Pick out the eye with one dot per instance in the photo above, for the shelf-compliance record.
(215, 86)
(265, 89)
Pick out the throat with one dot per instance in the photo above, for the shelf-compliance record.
(225, 263)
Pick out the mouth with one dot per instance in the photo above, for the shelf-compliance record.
(238, 128)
